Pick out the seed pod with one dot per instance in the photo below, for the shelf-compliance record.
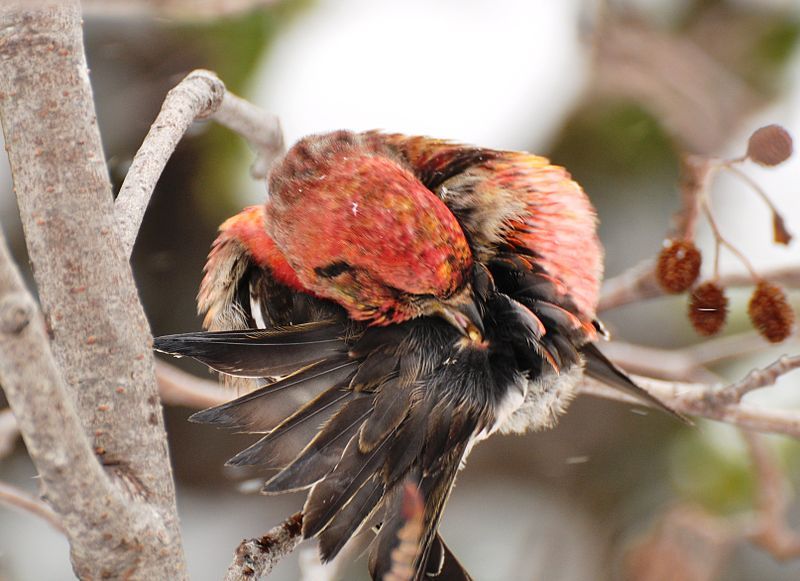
(770, 145)
(770, 312)
(708, 308)
(678, 266)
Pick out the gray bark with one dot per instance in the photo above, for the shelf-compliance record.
(100, 339)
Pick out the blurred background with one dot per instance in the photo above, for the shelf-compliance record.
(616, 92)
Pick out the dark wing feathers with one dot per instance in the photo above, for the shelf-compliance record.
(391, 406)
(346, 523)
(324, 451)
(266, 407)
(258, 353)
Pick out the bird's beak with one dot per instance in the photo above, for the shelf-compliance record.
(462, 313)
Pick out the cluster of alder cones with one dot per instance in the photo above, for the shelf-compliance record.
(678, 266)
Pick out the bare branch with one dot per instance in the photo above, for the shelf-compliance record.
(180, 388)
(196, 96)
(687, 363)
(716, 402)
(638, 283)
(255, 558)
(16, 498)
(263, 130)
(100, 338)
(200, 95)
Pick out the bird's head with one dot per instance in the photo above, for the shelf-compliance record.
(358, 228)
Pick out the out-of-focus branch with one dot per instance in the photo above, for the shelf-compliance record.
(770, 529)
(255, 558)
(19, 499)
(717, 402)
(638, 283)
(182, 9)
(263, 130)
(687, 363)
(9, 432)
(200, 95)
(180, 388)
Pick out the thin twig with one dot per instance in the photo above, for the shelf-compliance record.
(255, 558)
(201, 95)
(638, 283)
(198, 95)
(718, 402)
(16, 498)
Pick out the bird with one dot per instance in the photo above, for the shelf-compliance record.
(396, 300)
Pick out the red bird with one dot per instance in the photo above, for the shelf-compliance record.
(398, 300)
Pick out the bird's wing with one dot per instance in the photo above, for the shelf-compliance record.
(342, 410)
(378, 416)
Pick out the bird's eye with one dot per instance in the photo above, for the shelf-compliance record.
(333, 269)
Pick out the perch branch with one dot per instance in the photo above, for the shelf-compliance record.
(201, 95)
(196, 96)
(16, 498)
(255, 558)
(717, 402)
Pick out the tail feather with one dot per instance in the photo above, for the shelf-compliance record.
(599, 367)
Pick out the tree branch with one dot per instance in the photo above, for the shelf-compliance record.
(638, 283)
(200, 95)
(716, 402)
(19, 499)
(180, 388)
(255, 558)
(101, 341)
(75, 483)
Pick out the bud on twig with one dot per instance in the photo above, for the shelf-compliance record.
(708, 308)
(770, 312)
(770, 145)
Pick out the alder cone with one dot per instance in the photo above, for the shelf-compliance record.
(678, 266)
(708, 308)
(770, 312)
(770, 145)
